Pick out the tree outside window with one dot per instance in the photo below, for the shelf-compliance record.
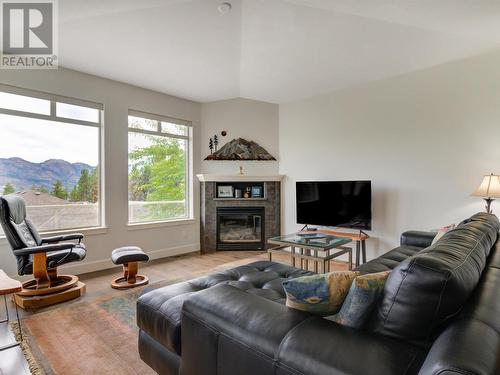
(158, 170)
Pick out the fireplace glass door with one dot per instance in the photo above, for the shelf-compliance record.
(240, 228)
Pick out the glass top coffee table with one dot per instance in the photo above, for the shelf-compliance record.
(316, 247)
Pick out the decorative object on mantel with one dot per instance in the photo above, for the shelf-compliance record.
(225, 191)
(240, 149)
(489, 190)
(257, 192)
(216, 142)
(241, 170)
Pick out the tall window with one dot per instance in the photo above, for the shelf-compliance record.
(49, 156)
(158, 168)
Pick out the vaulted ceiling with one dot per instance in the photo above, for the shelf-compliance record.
(270, 50)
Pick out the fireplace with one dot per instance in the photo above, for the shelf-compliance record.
(267, 206)
(240, 228)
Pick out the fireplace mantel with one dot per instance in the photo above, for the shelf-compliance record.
(237, 177)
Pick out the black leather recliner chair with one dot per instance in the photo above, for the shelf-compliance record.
(40, 257)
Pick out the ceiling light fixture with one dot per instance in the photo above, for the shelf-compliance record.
(224, 7)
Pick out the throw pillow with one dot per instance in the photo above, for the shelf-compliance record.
(441, 232)
(320, 294)
(361, 300)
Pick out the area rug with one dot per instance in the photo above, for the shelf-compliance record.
(33, 365)
(92, 337)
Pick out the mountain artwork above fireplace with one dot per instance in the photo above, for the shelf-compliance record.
(241, 149)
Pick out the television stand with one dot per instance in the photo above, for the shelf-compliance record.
(360, 239)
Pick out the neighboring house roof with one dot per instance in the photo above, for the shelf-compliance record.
(36, 198)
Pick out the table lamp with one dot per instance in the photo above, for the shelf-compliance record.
(489, 190)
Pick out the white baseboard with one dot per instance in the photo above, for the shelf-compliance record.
(77, 268)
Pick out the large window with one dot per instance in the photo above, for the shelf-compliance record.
(50, 156)
(158, 168)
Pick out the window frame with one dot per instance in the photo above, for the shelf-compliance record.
(188, 164)
(53, 99)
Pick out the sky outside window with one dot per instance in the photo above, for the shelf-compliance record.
(39, 140)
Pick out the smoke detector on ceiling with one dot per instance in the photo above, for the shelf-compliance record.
(225, 7)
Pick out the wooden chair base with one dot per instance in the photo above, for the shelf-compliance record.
(59, 284)
(130, 278)
(37, 301)
(123, 283)
(47, 288)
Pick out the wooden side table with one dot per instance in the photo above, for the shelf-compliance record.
(10, 286)
(360, 239)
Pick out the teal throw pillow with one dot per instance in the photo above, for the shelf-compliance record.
(363, 296)
(319, 294)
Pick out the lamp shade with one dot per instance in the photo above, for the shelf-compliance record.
(489, 188)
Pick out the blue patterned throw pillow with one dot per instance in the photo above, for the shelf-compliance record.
(320, 294)
(362, 298)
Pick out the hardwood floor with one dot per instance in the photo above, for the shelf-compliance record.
(178, 267)
(12, 360)
(181, 267)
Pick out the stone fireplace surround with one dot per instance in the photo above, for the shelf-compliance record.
(209, 204)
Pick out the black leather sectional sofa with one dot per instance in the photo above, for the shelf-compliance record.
(440, 314)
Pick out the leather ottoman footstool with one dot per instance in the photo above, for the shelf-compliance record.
(129, 256)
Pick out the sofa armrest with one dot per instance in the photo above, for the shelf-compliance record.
(322, 347)
(229, 323)
(467, 347)
(417, 238)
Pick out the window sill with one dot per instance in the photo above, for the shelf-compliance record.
(84, 231)
(160, 224)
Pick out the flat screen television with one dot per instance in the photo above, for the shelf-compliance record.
(346, 204)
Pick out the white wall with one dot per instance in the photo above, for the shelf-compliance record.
(117, 99)
(241, 118)
(424, 139)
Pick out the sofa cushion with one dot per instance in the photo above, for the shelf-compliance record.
(321, 347)
(159, 311)
(426, 291)
(389, 260)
